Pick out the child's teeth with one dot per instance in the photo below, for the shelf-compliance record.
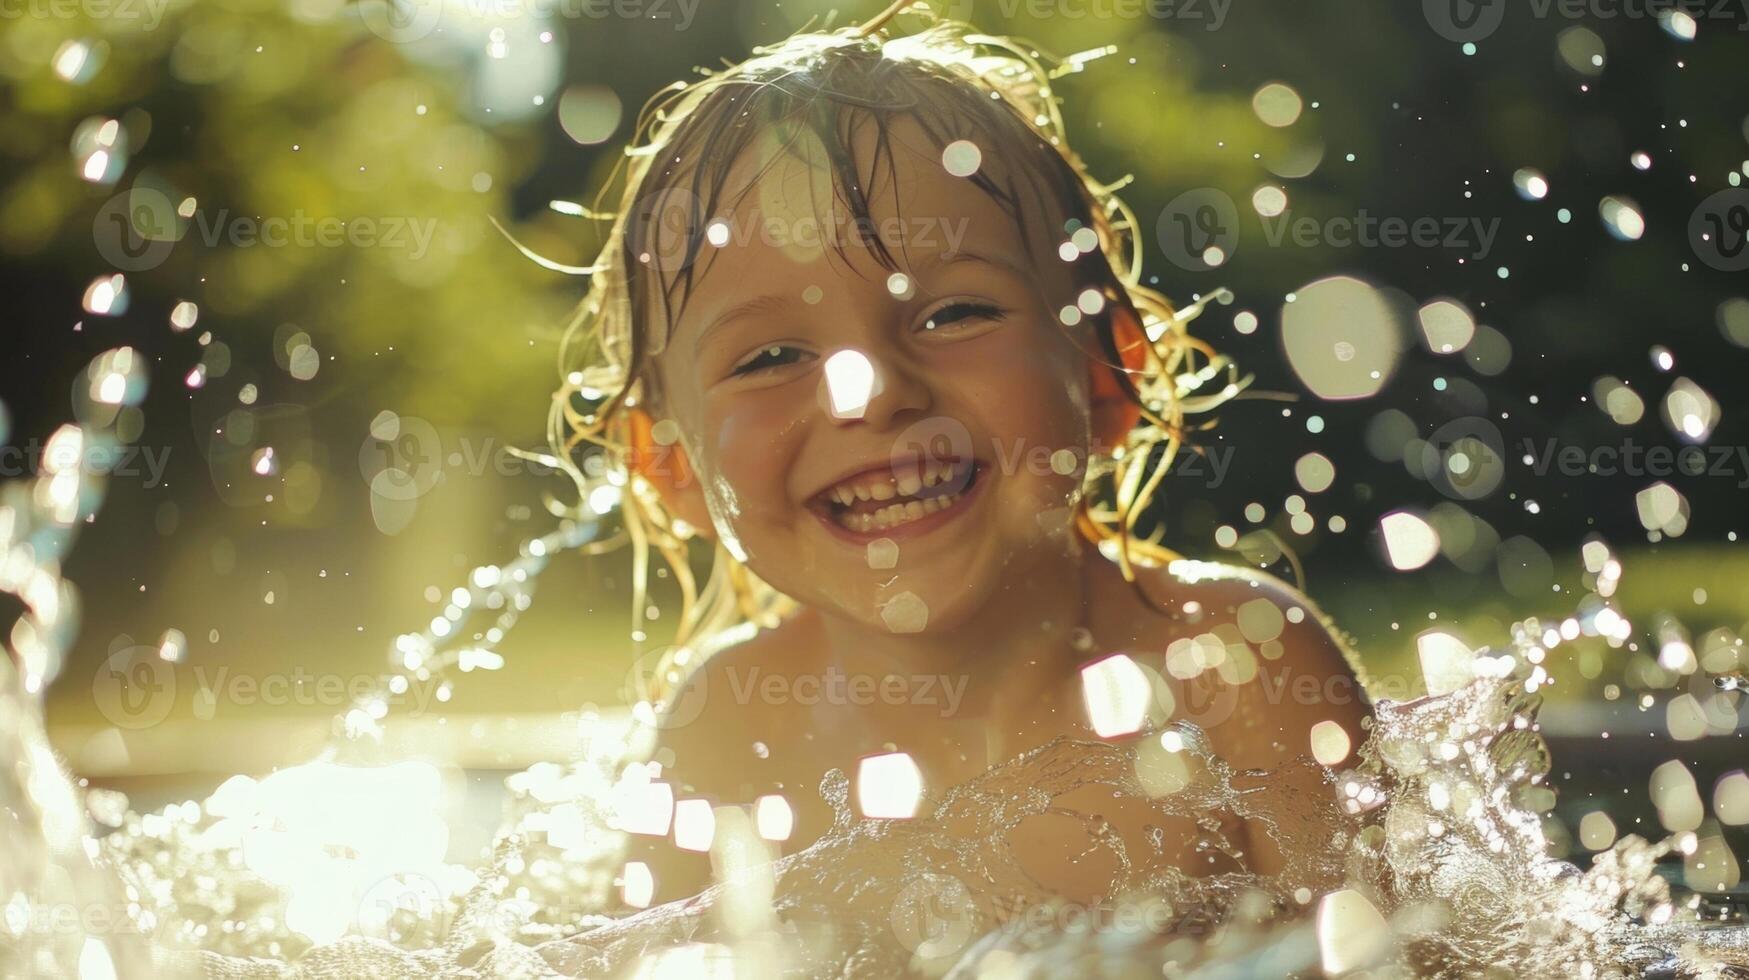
(862, 493)
(909, 484)
(882, 491)
(894, 515)
(931, 474)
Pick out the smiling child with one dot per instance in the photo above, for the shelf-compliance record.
(865, 323)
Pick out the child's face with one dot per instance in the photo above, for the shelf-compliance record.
(889, 447)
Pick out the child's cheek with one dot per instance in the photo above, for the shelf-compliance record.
(748, 450)
(1034, 404)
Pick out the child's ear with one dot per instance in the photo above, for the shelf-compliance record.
(1115, 411)
(660, 459)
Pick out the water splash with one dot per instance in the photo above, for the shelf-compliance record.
(47, 857)
(1429, 858)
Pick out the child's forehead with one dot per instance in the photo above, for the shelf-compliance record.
(902, 169)
(781, 211)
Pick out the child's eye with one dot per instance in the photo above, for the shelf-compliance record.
(959, 315)
(766, 358)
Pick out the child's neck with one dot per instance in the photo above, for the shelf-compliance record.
(1021, 643)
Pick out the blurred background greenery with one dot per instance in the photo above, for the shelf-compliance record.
(435, 118)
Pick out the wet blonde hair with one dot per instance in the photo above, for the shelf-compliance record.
(950, 80)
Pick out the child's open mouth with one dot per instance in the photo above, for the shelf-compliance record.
(902, 497)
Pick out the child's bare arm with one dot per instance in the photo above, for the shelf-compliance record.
(1281, 713)
(1310, 683)
(709, 745)
(691, 739)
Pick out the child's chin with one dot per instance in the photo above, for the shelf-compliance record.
(923, 604)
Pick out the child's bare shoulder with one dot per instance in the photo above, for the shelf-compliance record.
(710, 730)
(1298, 669)
(1262, 607)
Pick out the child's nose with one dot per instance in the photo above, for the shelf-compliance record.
(860, 387)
